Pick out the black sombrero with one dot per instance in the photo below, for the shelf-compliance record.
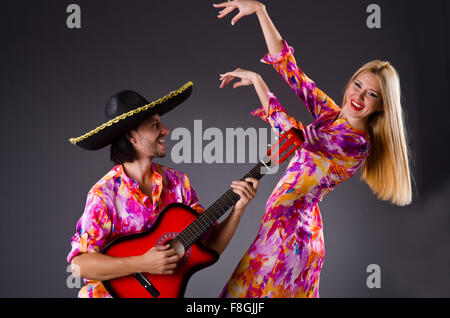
(125, 111)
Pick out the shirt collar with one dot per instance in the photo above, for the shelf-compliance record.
(157, 181)
(125, 179)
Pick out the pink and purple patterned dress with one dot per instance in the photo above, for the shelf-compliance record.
(286, 257)
(115, 207)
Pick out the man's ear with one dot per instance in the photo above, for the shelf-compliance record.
(131, 136)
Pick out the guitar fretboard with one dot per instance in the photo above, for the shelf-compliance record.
(197, 228)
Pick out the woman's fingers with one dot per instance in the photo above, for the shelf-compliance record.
(228, 77)
(226, 80)
(224, 4)
(245, 8)
(242, 74)
(237, 17)
(232, 73)
(225, 12)
(241, 83)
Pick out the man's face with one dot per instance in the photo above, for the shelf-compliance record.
(149, 137)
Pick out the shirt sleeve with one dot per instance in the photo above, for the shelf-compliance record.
(315, 100)
(93, 228)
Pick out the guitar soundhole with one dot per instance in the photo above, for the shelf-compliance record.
(168, 238)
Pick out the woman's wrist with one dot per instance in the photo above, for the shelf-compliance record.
(256, 78)
(261, 9)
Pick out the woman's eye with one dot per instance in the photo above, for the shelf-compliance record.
(357, 85)
(373, 95)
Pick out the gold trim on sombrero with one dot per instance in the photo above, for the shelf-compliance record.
(132, 112)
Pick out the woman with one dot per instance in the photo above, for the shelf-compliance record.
(368, 132)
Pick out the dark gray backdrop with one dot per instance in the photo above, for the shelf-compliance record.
(55, 82)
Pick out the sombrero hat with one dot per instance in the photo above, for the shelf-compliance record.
(127, 110)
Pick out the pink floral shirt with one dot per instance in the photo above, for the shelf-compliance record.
(115, 207)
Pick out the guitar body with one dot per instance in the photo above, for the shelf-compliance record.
(172, 221)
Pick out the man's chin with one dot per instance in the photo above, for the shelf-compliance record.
(161, 154)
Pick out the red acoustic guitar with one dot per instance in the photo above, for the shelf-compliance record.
(181, 227)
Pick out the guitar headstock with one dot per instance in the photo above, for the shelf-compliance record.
(286, 145)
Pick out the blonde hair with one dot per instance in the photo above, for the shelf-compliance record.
(386, 170)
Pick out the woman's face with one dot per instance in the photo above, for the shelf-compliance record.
(363, 96)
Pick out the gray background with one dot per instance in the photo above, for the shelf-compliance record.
(54, 83)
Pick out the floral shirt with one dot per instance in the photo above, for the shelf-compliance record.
(115, 207)
(287, 254)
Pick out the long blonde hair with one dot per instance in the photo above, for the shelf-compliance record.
(386, 170)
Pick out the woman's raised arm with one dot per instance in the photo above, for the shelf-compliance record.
(273, 38)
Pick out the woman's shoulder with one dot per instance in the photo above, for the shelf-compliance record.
(337, 139)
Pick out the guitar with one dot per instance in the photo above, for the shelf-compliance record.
(181, 227)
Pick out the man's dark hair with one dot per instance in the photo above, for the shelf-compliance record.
(122, 150)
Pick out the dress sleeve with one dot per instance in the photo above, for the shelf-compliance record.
(277, 117)
(93, 228)
(315, 100)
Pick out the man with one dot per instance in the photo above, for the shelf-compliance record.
(130, 197)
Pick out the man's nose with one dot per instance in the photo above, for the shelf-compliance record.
(165, 130)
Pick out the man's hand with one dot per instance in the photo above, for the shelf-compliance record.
(159, 260)
(246, 190)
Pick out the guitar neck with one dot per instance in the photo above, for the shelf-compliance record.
(197, 228)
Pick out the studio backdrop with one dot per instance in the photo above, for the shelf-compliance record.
(61, 60)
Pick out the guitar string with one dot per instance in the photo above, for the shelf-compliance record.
(213, 213)
(202, 223)
(206, 219)
(198, 227)
(210, 212)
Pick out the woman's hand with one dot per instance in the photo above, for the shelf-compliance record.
(247, 78)
(245, 7)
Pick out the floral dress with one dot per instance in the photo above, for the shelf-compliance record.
(287, 254)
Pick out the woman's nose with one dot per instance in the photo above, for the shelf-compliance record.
(361, 96)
